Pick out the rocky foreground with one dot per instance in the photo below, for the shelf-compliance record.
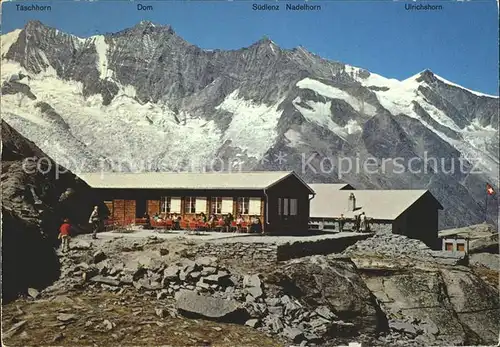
(147, 292)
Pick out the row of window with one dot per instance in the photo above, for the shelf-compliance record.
(218, 205)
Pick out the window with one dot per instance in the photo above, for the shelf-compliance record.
(287, 207)
(449, 246)
(460, 247)
(293, 207)
(255, 206)
(243, 205)
(227, 205)
(201, 204)
(216, 205)
(190, 204)
(175, 205)
(166, 204)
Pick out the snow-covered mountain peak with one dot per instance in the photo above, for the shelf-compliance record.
(146, 24)
(145, 92)
(35, 25)
(265, 43)
(8, 39)
(430, 78)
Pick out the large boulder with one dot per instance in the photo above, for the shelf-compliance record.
(451, 306)
(36, 195)
(334, 284)
(476, 303)
(253, 285)
(487, 260)
(191, 304)
(486, 244)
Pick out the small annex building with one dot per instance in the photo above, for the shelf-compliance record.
(413, 213)
(280, 199)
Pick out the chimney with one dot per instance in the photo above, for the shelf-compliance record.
(351, 206)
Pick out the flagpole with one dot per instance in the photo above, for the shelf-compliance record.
(486, 208)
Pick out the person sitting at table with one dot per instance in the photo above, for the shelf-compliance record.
(259, 225)
(227, 222)
(239, 222)
(203, 217)
(211, 221)
(177, 223)
(193, 223)
(256, 226)
(220, 223)
(202, 221)
(147, 221)
(156, 217)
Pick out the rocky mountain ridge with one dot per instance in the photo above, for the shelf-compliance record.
(179, 107)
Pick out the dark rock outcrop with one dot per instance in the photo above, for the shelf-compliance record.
(488, 244)
(318, 281)
(37, 194)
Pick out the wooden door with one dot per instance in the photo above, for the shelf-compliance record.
(130, 211)
(153, 207)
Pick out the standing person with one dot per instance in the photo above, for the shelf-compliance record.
(341, 222)
(65, 235)
(95, 221)
(362, 222)
(356, 222)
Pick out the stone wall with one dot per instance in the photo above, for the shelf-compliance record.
(327, 246)
(375, 227)
(273, 252)
(385, 228)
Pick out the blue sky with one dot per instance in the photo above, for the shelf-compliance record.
(459, 43)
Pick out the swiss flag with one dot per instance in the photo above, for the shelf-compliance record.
(489, 189)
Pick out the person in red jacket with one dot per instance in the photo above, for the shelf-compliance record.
(65, 235)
